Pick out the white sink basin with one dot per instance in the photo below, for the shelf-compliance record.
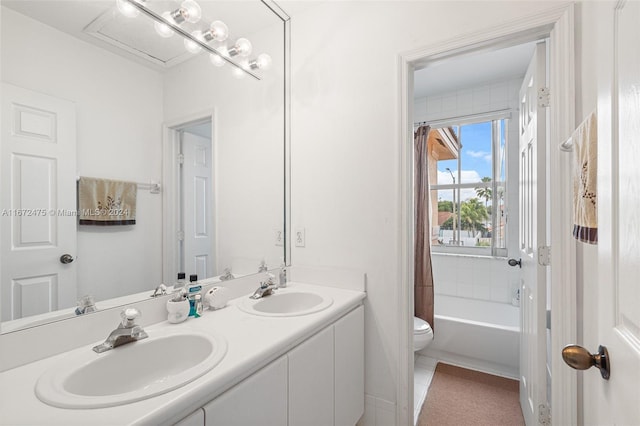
(283, 303)
(162, 362)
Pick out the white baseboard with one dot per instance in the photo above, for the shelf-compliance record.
(472, 363)
(378, 412)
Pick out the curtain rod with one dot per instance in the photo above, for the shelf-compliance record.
(466, 119)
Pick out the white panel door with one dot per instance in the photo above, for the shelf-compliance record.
(617, 400)
(349, 368)
(197, 173)
(311, 381)
(38, 199)
(533, 387)
(259, 400)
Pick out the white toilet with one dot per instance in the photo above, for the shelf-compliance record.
(422, 334)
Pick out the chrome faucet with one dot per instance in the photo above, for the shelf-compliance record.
(266, 288)
(85, 305)
(227, 275)
(128, 331)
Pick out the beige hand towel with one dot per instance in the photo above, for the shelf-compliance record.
(585, 170)
(106, 202)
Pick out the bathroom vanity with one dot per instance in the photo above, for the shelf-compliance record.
(282, 363)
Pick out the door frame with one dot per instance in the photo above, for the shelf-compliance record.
(557, 24)
(170, 199)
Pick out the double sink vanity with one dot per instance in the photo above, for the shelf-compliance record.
(294, 357)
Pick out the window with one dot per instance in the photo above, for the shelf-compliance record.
(468, 188)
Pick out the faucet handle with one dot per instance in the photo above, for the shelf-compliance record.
(129, 316)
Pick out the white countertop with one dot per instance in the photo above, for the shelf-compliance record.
(253, 342)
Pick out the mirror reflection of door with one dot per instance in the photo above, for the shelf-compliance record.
(196, 245)
(38, 200)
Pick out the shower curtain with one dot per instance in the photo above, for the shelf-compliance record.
(423, 275)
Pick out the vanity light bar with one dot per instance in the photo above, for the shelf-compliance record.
(153, 15)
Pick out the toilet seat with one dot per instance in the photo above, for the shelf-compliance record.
(420, 326)
(422, 334)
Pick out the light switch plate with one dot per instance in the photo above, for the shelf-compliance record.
(299, 237)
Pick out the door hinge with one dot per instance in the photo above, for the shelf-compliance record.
(544, 255)
(543, 97)
(544, 414)
(180, 158)
(180, 235)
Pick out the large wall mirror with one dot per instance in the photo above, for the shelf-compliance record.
(183, 101)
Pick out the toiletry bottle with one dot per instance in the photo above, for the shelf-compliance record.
(181, 281)
(193, 289)
(198, 305)
(282, 277)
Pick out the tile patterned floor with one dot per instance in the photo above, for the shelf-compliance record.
(423, 368)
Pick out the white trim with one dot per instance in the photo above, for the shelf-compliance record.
(563, 253)
(170, 202)
(557, 23)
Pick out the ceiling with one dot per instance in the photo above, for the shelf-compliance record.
(472, 70)
(98, 22)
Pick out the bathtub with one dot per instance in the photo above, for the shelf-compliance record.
(477, 334)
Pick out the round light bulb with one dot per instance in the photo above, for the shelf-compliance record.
(191, 11)
(264, 61)
(162, 28)
(216, 60)
(127, 9)
(243, 46)
(191, 45)
(219, 30)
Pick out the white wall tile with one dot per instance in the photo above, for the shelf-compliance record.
(499, 94)
(420, 109)
(434, 106)
(501, 292)
(481, 99)
(449, 103)
(482, 292)
(465, 290)
(465, 102)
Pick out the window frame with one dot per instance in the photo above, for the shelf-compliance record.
(497, 134)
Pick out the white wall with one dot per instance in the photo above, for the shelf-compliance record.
(346, 145)
(248, 138)
(119, 113)
(480, 277)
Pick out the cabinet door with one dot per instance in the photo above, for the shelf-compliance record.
(194, 419)
(311, 381)
(349, 368)
(261, 399)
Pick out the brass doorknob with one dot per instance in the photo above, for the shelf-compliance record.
(579, 358)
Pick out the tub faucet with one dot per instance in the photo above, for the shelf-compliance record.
(128, 331)
(266, 288)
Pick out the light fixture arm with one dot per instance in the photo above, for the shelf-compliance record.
(153, 15)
